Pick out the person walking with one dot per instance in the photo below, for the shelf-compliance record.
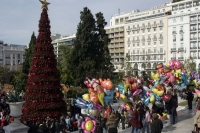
(79, 121)
(135, 120)
(157, 125)
(197, 119)
(123, 121)
(190, 98)
(112, 124)
(146, 120)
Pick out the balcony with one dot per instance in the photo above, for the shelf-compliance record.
(154, 25)
(160, 24)
(148, 39)
(128, 42)
(193, 48)
(188, 6)
(193, 38)
(181, 31)
(173, 32)
(161, 38)
(121, 29)
(193, 20)
(174, 9)
(173, 58)
(143, 40)
(181, 39)
(129, 29)
(173, 49)
(180, 58)
(182, 7)
(154, 39)
(138, 28)
(193, 29)
(195, 57)
(180, 49)
(134, 28)
(174, 40)
(196, 4)
(142, 27)
(148, 26)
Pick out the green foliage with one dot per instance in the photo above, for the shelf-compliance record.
(15, 96)
(29, 54)
(6, 76)
(63, 60)
(190, 64)
(76, 91)
(90, 55)
(20, 80)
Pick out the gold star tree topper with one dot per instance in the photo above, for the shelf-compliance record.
(44, 4)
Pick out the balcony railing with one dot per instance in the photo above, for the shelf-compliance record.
(155, 39)
(134, 28)
(193, 38)
(148, 26)
(173, 32)
(128, 42)
(193, 29)
(193, 47)
(143, 40)
(142, 27)
(173, 49)
(181, 7)
(129, 29)
(160, 38)
(188, 6)
(194, 20)
(174, 9)
(181, 31)
(180, 49)
(180, 58)
(173, 58)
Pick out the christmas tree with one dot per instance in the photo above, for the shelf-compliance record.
(43, 95)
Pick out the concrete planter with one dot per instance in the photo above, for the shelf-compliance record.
(16, 126)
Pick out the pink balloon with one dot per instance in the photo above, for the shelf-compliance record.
(148, 93)
(171, 63)
(177, 64)
(197, 92)
(160, 70)
(136, 92)
(171, 78)
(168, 74)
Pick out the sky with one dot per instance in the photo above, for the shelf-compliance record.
(19, 18)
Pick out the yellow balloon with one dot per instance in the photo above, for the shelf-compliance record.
(155, 91)
(123, 98)
(155, 76)
(152, 98)
(160, 93)
(89, 125)
(100, 97)
(126, 86)
(86, 97)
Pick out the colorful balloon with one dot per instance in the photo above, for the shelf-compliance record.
(94, 98)
(166, 97)
(88, 125)
(136, 92)
(86, 97)
(107, 84)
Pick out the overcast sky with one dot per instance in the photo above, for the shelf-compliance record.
(19, 18)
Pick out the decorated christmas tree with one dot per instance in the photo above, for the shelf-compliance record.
(43, 95)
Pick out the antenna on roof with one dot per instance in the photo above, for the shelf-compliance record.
(119, 11)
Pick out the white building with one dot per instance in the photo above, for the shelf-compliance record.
(116, 33)
(13, 55)
(146, 38)
(184, 30)
(62, 40)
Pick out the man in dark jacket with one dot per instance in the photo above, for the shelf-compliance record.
(157, 125)
(190, 98)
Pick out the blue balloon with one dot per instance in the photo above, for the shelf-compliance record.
(82, 106)
(120, 89)
(146, 101)
(109, 99)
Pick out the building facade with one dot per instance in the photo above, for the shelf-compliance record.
(116, 46)
(146, 38)
(184, 31)
(62, 40)
(13, 55)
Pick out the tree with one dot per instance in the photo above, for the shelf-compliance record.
(63, 60)
(82, 61)
(43, 94)
(29, 54)
(190, 64)
(105, 67)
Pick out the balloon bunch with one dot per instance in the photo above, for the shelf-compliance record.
(130, 91)
(88, 125)
(99, 97)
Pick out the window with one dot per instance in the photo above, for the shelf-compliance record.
(161, 42)
(174, 20)
(129, 52)
(163, 10)
(161, 28)
(142, 31)
(174, 45)
(143, 51)
(153, 12)
(181, 37)
(138, 31)
(154, 29)
(149, 43)
(149, 51)
(161, 50)
(174, 28)
(128, 45)
(149, 30)
(181, 19)
(154, 43)
(181, 54)
(143, 44)
(181, 28)
(133, 32)
(158, 11)
(182, 46)
(137, 51)
(138, 44)
(133, 51)
(128, 33)
(154, 36)
(133, 44)
(174, 55)
(174, 38)
(161, 57)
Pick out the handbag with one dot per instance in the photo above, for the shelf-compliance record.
(195, 130)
